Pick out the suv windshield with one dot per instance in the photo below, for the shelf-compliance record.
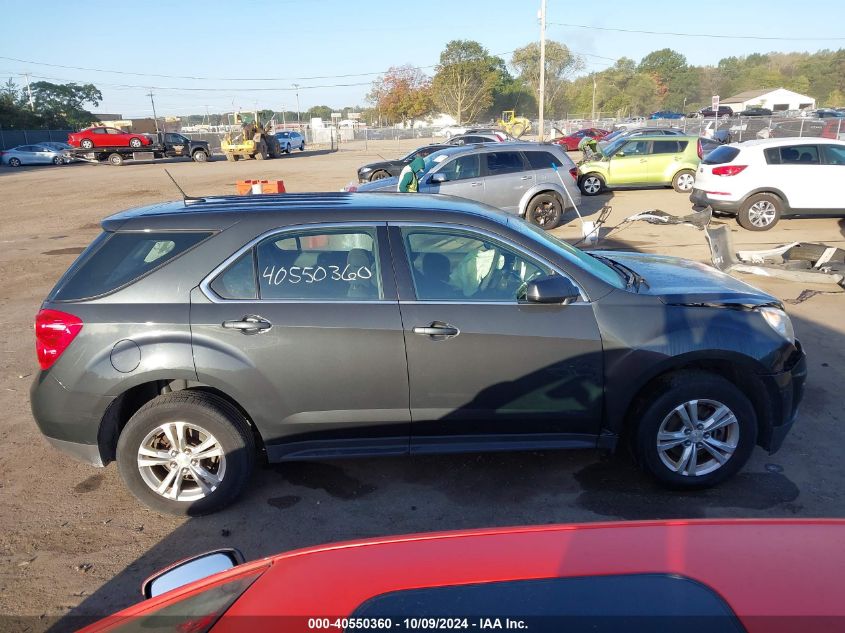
(570, 253)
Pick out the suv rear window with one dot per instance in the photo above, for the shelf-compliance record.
(542, 160)
(116, 259)
(721, 155)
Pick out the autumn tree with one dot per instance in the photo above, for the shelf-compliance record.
(403, 94)
(464, 80)
(561, 65)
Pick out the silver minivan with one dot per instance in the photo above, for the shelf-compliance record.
(536, 181)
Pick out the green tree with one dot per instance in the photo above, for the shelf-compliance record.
(63, 104)
(561, 64)
(464, 80)
(321, 111)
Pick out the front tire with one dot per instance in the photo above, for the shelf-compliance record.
(186, 453)
(545, 210)
(760, 212)
(302, 146)
(135, 142)
(591, 185)
(287, 148)
(683, 181)
(379, 174)
(200, 156)
(696, 430)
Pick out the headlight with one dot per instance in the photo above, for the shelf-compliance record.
(779, 322)
(364, 170)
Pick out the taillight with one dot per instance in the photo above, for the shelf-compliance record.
(573, 171)
(728, 170)
(699, 149)
(54, 331)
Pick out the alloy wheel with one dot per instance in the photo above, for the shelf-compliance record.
(181, 461)
(762, 213)
(685, 182)
(697, 437)
(592, 184)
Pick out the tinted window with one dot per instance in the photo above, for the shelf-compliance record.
(238, 281)
(461, 168)
(111, 130)
(503, 163)
(834, 154)
(461, 266)
(793, 155)
(720, 155)
(99, 130)
(634, 148)
(643, 603)
(542, 160)
(668, 147)
(334, 265)
(116, 259)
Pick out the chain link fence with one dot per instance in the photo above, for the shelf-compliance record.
(13, 138)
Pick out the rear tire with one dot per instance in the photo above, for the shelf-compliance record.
(302, 146)
(706, 400)
(545, 210)
(86, 143)
(760, 212)
(591, 185)
(205, 484)
(115, 159)
(57, 160)
(683, 181)
(14, 162)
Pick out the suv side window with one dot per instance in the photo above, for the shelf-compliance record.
(668, 147)
(634, 148)
(833, 154)
(499, 163)
(456, 265)
(542, 160)
(461, 168)
(793, 155)
(337, 265)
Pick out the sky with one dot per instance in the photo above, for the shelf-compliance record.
(335, 48)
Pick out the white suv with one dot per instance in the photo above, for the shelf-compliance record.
(760, 181)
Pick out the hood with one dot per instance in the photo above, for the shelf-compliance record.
(681, 281)
(385, 184)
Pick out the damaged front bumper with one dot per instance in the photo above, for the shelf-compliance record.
(789, 385)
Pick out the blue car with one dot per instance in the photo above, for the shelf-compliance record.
(666, 114)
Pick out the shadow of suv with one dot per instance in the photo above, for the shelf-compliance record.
(190, 337)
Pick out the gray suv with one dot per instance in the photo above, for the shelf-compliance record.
(537, 181)
(191, 338)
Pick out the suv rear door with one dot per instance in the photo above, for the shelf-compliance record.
(665, 160)
(506, 178)
(302, 327)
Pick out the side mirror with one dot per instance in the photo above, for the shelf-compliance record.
(437, 178)
(551, 289)
(189, 570)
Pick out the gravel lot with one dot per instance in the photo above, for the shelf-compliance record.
(74, 544)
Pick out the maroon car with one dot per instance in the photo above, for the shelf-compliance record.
(571, 142)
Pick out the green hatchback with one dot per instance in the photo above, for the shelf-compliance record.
(643, 161)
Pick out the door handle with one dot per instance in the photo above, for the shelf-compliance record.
(249, 324)
(438, 330)
(475, 184)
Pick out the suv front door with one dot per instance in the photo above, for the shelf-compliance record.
(484, 368)
(629, 166)
(463, 178)
(303, 329)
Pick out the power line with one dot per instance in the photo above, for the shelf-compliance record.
(711, 35)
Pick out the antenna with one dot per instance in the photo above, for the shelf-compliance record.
(185, 196)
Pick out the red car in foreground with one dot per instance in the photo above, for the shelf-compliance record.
(571, 142)
(107, 137)
(757, 576)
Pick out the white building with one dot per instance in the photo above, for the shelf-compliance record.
(776, 100)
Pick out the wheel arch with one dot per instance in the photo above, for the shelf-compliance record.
(770, 190)
(743, 371)
(540, 188)
(126, 404)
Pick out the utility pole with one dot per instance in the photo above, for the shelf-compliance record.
(29, 92)
(284, 123)
(298, 115)
(593, 114)
(155, 118)
(542, 90)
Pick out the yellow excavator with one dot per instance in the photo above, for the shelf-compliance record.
(514, 125)
(253, 140)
